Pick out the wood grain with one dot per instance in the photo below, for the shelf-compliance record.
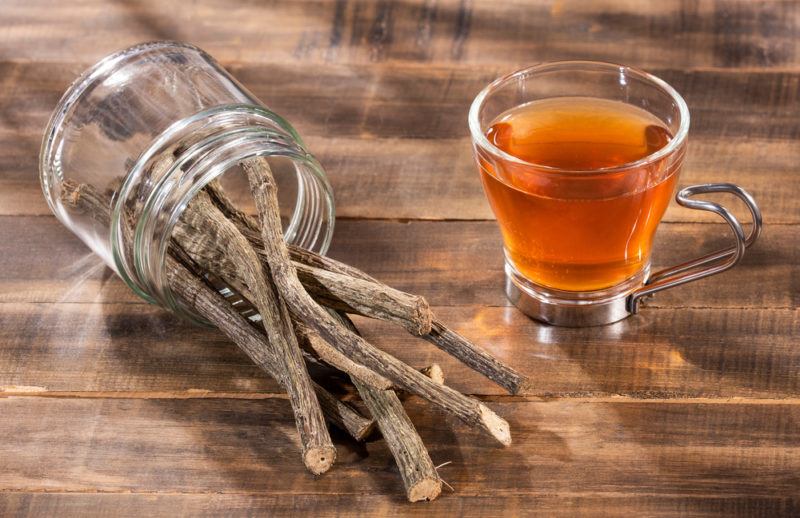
(378, 128)
(408, 101)
(237, 446)
(408, 178)
(20, 503)
(452, 262)
(448, 263)
(744, 348)
(712, 33)
(110, 350)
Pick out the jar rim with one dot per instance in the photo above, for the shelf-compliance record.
(480, 139)
(137, 275)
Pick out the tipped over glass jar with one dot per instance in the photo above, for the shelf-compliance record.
(170, 104)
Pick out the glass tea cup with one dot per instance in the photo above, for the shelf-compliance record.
(578, 231)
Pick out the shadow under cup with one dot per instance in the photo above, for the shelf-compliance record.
(578, 236)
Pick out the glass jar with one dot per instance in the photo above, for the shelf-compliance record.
(151, 126)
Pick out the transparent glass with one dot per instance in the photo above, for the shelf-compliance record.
(171, 104)
(573, 231)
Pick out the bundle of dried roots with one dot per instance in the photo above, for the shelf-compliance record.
(286, 308)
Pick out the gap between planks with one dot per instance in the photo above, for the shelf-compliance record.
(459, 495)
(581, 397)
(394, 64)
(433, 219)
(649, 306)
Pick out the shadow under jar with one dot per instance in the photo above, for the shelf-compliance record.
(579, 161)
(149, 127)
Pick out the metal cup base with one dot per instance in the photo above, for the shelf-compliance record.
(571, 309)
(596, 308)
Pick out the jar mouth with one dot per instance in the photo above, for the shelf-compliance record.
(480, 139)
(229, 134)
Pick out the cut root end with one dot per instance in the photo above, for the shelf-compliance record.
(435, 373)
(319, 460)
(425, 490)
(496, 425)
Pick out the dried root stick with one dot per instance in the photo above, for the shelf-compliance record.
(345, 288)
(201, 221)
(219, 312)
(330, 355)
(469, 410)
(210, 305)
(417, 471)
(214, 242)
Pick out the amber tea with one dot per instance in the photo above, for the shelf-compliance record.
(569, 219)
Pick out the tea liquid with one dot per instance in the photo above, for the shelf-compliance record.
(572, 227)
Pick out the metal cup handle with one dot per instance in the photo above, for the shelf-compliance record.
(713, 263)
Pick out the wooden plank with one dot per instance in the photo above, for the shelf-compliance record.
(378, 130)
(721, 33)
(450, 263)
(131, 347)
(138, 350)
(122, 505)
(411, 179)
(128, 348)
(561, 447)
(409, 101)
(437, 179)
(453, 263)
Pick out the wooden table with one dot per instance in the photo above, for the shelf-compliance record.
(111, 406)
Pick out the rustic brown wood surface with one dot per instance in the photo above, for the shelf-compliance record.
(109, 406)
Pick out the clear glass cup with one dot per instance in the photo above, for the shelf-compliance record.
(577, 242)
(171, 103)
